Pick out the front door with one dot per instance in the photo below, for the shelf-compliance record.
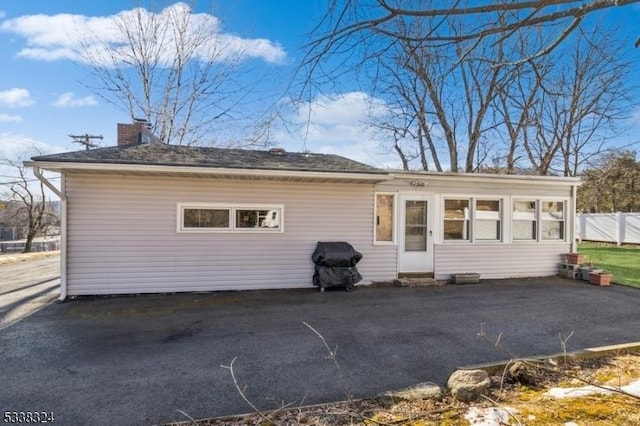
(415, 252)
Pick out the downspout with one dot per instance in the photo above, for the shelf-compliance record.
(63, 227)
(574, 206)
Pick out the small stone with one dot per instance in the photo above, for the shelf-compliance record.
(468, 385)
(523, 373)
(426, 390)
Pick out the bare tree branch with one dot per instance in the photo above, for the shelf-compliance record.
(172, 70)
(28, 207)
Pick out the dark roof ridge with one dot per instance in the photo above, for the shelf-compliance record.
(214, 157)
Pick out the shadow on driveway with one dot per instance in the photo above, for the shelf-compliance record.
(137, 360)
(27, 286)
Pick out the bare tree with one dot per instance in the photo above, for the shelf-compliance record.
(352, 21)
(27, 201)
(461, 91)
(171, 69)
(408, 120)
(445, 96)
(578, 104)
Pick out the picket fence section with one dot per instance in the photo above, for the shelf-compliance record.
(619, 228)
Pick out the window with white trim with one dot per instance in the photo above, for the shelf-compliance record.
(525, 224)
(487, 220)
(472, 219)
(229, 218)
(456, 219)
(539, 220)
(385, 218)
(552, 220)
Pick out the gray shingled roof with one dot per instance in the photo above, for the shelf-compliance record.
(172, 155)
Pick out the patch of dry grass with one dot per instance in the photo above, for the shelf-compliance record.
(533, 407)
(6, 259)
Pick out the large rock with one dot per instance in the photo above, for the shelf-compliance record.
(426, 390)
(468, 385)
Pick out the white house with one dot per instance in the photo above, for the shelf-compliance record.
(149, 218)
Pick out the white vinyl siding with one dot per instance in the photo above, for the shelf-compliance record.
(499, 260)
(122, 234)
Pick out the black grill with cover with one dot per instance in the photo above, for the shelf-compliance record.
(335, 265)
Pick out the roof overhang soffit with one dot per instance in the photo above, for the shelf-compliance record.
(250, 174)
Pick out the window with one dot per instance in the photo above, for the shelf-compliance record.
(552, 225)
(257, 219)
(524, 220)
(456, 219)
(543, 216)
(195, 218)
(487, 220)
(385, 207)
(229, 218)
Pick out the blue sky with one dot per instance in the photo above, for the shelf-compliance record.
(42, 100)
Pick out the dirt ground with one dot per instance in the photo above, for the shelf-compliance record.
(521, 390)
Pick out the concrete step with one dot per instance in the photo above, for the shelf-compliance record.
(416, 282)
(415, 274)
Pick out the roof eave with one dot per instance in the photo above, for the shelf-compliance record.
(62, 166)
(476, 177)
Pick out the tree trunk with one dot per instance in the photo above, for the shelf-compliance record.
(27, 244)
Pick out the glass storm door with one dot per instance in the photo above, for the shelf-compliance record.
(415, 252)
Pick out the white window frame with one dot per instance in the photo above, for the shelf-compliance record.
(564, 219)
(469, 219)
(472, 218)
(394, 220)
(232, 228)
(538, 218)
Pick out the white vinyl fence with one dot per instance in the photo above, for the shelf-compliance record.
(619, 228)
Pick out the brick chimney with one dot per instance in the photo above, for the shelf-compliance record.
(136, 133)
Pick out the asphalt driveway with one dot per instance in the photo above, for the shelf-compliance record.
(27, 286)
(137, 360)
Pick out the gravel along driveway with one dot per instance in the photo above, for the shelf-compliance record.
(138, 360)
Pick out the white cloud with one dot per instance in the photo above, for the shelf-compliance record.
(338, 125)
(18, 147)
(7, 118)
(15, 98)
(15, 145)
(79, 37)
(69, 100)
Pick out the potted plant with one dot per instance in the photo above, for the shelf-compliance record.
(601, 278)
(587, 268)
(574, 258)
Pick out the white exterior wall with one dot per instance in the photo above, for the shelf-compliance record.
(504, 259)
(499, 260)
(122, 234)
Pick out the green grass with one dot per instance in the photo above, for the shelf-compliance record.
(623, 262)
